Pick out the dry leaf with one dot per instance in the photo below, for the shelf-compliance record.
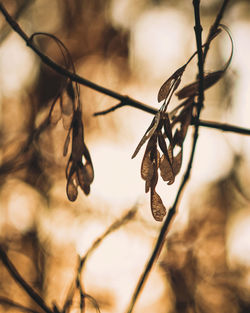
(147, 170)
(191, 90)
(83, 178)
(157, 207)
(167, 127)
(166, 170)
(83, 173)
(150, 131)
(90, 171)
(162, 144)
(71, 190)
(170, 84)
(150, 163)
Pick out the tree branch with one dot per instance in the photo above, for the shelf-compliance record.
(18, 278)
(127, 217)
(10, 303)
(124, 100)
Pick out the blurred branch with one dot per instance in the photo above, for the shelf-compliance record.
(124, 100)
(128, 216)
(172, 211)
(16, 305)
(25, 4)
(214, 27)
(18, 278)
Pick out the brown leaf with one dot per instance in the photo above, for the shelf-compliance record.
(90, 171)
(162, 144)
(191, 90)
(71, 190)
(184, 118)
(157, 207)
(86, 189)
(171, 84)
(84, 180)
(167, 127)
(150, 131)
(147, 169)
(67, 106)
(82, 176)
(150, 162)
(166, 170)
(83, 173)
(168, 151)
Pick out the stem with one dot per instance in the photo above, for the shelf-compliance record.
(124, 100)
(18, 278)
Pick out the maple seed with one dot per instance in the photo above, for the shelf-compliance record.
(77, 173)
(157, 207)
(167, 132)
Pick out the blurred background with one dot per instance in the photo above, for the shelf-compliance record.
(131, 47)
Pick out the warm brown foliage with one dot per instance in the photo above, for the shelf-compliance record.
(173, 127)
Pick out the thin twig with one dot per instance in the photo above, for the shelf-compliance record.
(82, 261)
(10, 303)
(19, 279)
(113, 108)
(214, 27)
(21, 10)
(124, 100)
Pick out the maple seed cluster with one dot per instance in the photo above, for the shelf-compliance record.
(77, 173)
(79, 169)
(160, 153)
(167, 132)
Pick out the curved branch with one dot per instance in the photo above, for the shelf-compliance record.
(10, 303)
(19, 279)
(124, 100)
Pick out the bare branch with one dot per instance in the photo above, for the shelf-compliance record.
(10, 303)
(124, 100)
(117, 106)
(82, 260)
(20, 280)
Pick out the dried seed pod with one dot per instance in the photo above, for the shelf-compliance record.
(171, 84)
(157, 207)
(83, 173)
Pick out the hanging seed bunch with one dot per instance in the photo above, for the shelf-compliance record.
(167, 132)
(67, 107)
(79, 170)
